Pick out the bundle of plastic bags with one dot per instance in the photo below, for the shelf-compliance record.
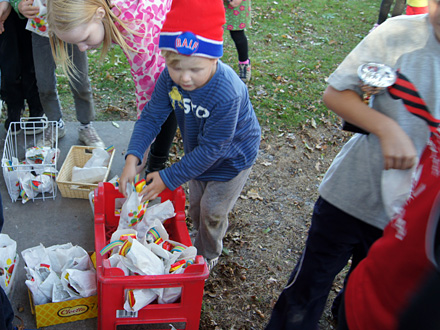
(95, 168)
(144, 248)
(59, 273)
(8, 262)
(32, 176)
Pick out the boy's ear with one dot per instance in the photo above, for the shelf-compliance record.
(100, 13)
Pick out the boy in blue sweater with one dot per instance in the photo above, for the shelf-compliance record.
(220, 130)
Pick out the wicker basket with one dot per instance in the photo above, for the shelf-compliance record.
(77, 156)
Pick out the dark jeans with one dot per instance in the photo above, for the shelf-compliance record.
(333, 238)
(18, 82)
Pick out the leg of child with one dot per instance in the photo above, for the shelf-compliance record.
(384, 10)
(332, 238)
(28, 79)
(81, 89)
(46, 79)
(210, 204)
(399, 7)
(241, 43)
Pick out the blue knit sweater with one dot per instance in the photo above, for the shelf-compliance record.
(220, 130)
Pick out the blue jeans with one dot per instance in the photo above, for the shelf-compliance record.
(47, 82)
(333, 238)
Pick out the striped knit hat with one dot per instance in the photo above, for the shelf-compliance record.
(194, 28)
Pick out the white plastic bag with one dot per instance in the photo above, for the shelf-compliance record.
(140, 260)
(8, 262)
(100, 158)
(89, 174)
(396, 189)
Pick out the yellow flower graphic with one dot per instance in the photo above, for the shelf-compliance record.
(176, 97)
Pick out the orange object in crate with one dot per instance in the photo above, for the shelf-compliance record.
(112, 284)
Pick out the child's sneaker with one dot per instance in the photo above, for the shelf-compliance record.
(244, 71)
(89, 136)
(48, 139)
(211, 263)
(14, 128)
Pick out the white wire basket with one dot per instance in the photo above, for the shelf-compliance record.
(29, 169)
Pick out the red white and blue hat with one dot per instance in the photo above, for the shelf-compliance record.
(194, 28)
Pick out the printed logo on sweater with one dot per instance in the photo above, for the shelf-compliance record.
(176, 98)
(186, 105)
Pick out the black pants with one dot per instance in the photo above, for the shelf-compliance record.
(241, 43)
(18, 82)
(334, 237)
(385, 8)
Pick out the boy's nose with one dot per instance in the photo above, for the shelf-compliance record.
(186, 77)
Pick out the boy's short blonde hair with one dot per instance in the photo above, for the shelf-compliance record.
(171, 58)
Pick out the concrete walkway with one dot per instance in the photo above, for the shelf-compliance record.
(57, 221)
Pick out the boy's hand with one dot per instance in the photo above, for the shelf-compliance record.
(27, 10)
(5, 10)
(398, 149)
(153, 187)
(128, 173)
(235, 3)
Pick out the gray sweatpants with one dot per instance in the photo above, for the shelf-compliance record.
(209, 205)
(47, 82)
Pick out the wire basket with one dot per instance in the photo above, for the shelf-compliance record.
(31, 178)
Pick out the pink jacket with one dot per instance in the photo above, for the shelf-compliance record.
(145, 17)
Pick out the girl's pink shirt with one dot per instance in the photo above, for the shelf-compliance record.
(146, 17)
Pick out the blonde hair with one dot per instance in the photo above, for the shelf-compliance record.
(171, 58)
(66, 15)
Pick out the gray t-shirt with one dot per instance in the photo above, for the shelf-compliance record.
(407, 43)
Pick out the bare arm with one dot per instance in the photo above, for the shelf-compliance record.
(5, 10)
(397, 147)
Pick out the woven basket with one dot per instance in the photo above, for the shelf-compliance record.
(78, 156)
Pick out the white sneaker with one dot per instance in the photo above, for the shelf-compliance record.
(211, 263)
(49, 138)
(89, 136)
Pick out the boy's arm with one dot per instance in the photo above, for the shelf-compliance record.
(397, 147)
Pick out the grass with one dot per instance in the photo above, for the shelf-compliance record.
(294, 45)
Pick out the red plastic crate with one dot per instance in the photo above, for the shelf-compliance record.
(183, 314)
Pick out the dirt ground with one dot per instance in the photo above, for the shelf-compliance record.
(268, 228)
